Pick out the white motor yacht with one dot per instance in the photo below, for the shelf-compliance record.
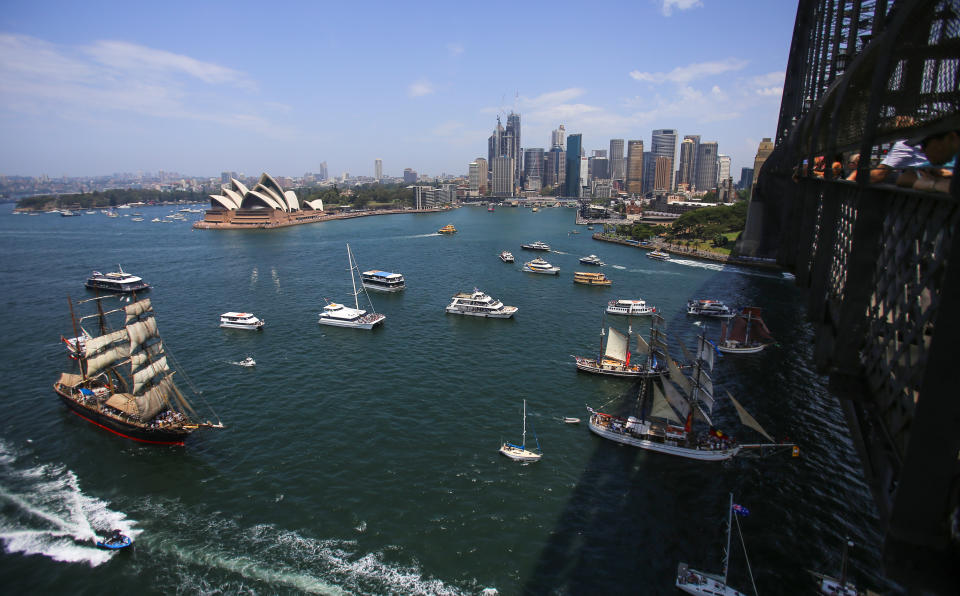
(536, 246)
(478, 304)
(709, 308)
(118, 281)
(591, 260)
(540, 266)
(506, 256)
(240, 320)
(630, 307)
(382, 281)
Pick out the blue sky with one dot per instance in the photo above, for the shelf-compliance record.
(90, 88)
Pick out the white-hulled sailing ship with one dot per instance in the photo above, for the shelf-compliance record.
(126, 383)
(614, 358)
(665, 417)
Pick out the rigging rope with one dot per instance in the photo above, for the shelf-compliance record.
(742, 543)
(193, 388)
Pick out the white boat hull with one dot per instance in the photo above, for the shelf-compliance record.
(384, 289)
(634, 313)
(553, 271)
(503, 314)
(351, 324)
(696, 582)
(745, 350)
(254, 327)
(591, 366)
(666, 447)
(519, 454)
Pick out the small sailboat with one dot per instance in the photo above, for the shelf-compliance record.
(745, 334)
(837, 586)
(520, 452)
(697, 582)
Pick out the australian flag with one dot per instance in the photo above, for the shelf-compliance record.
(740, 510)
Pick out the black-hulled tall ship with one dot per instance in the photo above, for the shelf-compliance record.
(125, 382)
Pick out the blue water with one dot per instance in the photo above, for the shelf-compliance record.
(366, 461)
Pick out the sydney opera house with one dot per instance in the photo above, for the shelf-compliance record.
(266, 205)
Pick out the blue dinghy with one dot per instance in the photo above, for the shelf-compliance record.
(115, 542)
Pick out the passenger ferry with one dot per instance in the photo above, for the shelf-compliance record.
(382, 281)
(240, 320)
(630, 307)
(538, 265)
(118, 281)
(658, 255)
(478, 304)
(447, 229)
(506, 256)
(536, 246)
(591, 260)
(590, 279)
(709, 308)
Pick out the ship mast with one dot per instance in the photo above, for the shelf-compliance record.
(726, 553)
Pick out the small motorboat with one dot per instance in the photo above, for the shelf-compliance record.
(116, 541)
(569, 420)
(248, 361)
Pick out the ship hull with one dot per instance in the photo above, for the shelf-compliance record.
(590, 366)
(155, 436)
(679, 450)
(745, 350)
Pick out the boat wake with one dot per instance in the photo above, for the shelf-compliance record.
(621, 267)
(46, 513)
(726, 268)
(212, 554)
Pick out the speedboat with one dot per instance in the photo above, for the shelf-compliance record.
(240, 320)
(709, 308)
(116, 541)
(447, 229)
(538, 265)
(630, 307)
(247, 362)
(591, 260)
(506, 256)
(658, 255)
(382, 281)
(118, 281)
(478, 304)
(590, 279)
(536, 246)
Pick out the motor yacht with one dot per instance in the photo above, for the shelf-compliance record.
(709, 308)
(536, 246)
(538, 265)
(630, 307)
(591, 260)
(240, 320)
(382, 281)
(478, 304)
(506, 256)
(117, 281)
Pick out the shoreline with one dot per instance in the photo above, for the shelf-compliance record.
(693, 253)
(296, 219)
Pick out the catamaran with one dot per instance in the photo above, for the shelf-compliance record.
(125, 379)
(746, 333)
(338, 315)
(699, 583)
(665, 416)
(520, 452)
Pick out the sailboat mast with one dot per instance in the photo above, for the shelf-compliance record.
(356, 301)
(523, 443)
(726, 554)
(746, 336)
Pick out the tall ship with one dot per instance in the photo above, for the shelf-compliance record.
(338, 315)
(590, 279)
(541, 266)
(118, 281)
(478, 304)
(746, 333)
(709, 308)
(666, 412)
(615, 359)
(124, 381)
(382, 281)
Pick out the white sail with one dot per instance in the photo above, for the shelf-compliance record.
(642, 347)
(154, 400)
(679, 403)
(107, 358)
(706, 351)
(141, 332)
(142, 357)
(704, 389)
(616, 346)
(147, 373)
(747, 419)
(660, 408)
(678, 377)
(92, 346)
(136, 309)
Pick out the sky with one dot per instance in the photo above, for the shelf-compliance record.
(98, 87)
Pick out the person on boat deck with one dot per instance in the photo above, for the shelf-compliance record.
(117, 536)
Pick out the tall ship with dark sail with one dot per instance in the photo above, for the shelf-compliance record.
(746, 333)
(125, 382)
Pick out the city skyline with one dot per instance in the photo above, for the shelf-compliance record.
(125, 89)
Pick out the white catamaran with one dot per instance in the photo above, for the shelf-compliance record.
(338, 315)
(665, 417)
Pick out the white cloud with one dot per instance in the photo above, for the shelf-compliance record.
(690, 72)
(769, 91)
(768, 80)
(124, 56)
(668, 5)
(420, 88)
(455, 49)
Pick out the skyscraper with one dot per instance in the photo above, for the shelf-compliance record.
(483, 175)
(649, 171)
(635, 167)
(663, 173)
(572, 186)
(688, 155)
(599, 168)
(322, 174)
(409, 176)
(378, 169)
(746, 178)
(555, 170)
(502, 179)
(557, 137)
(495, 144)
(617, 166)
(513, 144)
(474, 178)
(707, 166)
(664, 144)
(533, 169)
(723, 168)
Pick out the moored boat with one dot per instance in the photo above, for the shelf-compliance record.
(506, 256)
(338, 315)
(637, 308)
(539, 265)
(702, 583)
(746, 333)
(536, 246)
(590, 279)
(241, 320)
(520, 452)
(591, 260)
(125, 379)
(382, 281)
(447, 229)
(118, 281)
(478, 304)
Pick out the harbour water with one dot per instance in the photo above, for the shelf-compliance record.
(366, 462)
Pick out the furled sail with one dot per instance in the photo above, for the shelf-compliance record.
(124, 402)
(136, 309)
(142, 357)
(92, 346)
(147, 373)
(616, 346)
(642, 347)
(106, 358)
(141, 332)
(661, 409)
(677, 377)
(747, 419)
(679, 403)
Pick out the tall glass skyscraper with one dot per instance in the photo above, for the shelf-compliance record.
(664, 144)
(533, 169)
(572, 186)
(635, 167)
(617, 165)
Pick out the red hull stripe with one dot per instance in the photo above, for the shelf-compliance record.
(127, 436)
